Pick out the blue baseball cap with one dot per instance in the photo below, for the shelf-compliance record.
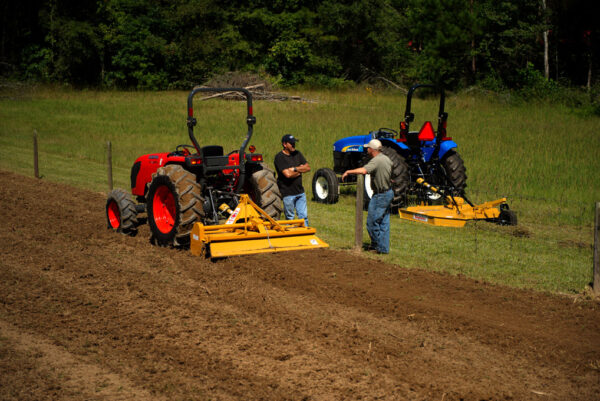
(289, 139)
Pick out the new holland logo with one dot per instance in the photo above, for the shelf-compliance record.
(420, 217)
(352, 148)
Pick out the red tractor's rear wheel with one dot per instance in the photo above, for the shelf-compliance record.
(174, 203)
(121, 214)
(265, 192)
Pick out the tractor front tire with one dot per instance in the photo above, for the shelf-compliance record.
(325, 186)
(121, 214)
(265, 192)
(174, 203)
(455, 171)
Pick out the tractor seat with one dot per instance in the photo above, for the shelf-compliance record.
(213, 157)
(212, 150)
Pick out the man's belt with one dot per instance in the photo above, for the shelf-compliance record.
(380, 191)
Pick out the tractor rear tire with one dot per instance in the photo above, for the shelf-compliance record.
(121, 213)
(174, 203)
(265, 192)
(400, 177)
(455, 171)
(325, 186)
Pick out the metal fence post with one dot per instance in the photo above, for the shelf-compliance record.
(596, 284)
(36, 170)
(109, 163)
(358, 223)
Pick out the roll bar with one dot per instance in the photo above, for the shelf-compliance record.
(191, 121)
(442, 115)
(250, 120)
(409, 117)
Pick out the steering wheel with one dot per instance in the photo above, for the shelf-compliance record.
(386, 133)
(183, 149)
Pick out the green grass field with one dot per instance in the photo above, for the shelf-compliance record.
(544, 158)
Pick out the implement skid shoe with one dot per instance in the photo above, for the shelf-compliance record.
(454, 213)
(250, 230)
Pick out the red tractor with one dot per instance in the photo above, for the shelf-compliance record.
(193, 184)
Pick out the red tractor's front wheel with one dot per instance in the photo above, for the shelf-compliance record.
(174, 203)
(121, 214)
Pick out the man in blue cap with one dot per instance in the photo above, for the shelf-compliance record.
(290, 164)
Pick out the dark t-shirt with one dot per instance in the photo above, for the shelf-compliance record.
(289, 186)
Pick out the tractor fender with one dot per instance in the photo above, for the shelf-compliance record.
(145, 166)
(429, 147)
(445, 146)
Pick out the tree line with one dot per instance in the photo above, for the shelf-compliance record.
(162, 44)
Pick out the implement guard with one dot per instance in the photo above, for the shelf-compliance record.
(250, 230)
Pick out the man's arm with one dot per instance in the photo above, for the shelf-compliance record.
(303, 168)
(294, 172)
(359, 170)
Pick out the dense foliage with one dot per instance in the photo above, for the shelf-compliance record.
(158, 44)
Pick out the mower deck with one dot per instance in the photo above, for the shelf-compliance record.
(454, 213)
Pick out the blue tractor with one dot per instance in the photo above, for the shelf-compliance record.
(427, 154)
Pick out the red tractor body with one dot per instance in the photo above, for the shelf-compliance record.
(192, 184)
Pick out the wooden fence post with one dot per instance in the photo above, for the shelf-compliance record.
(109, 163)
(358, 223)
(596, 284)
(36, 170)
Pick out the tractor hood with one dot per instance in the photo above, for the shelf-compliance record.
(352, 143)
(357, 143)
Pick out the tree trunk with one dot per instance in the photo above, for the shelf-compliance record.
(545, 34)
(589, 80)
(473, 65)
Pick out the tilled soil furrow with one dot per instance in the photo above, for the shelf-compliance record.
(304, 325)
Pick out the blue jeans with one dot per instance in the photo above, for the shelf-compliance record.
(378, 221)
(297, 203)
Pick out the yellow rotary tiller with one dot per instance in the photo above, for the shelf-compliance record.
(457, 211)
(250, 230)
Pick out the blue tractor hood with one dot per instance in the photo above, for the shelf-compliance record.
(352, 143)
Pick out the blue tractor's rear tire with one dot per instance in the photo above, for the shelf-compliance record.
(400, 178)
(455, 171)
(400, 175)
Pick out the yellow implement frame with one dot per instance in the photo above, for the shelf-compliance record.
(452, 214)
(455, 213)
(250, 230)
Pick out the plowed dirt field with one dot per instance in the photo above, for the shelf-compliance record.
(87, 314)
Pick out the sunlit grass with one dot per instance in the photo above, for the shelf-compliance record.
(542, 157)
